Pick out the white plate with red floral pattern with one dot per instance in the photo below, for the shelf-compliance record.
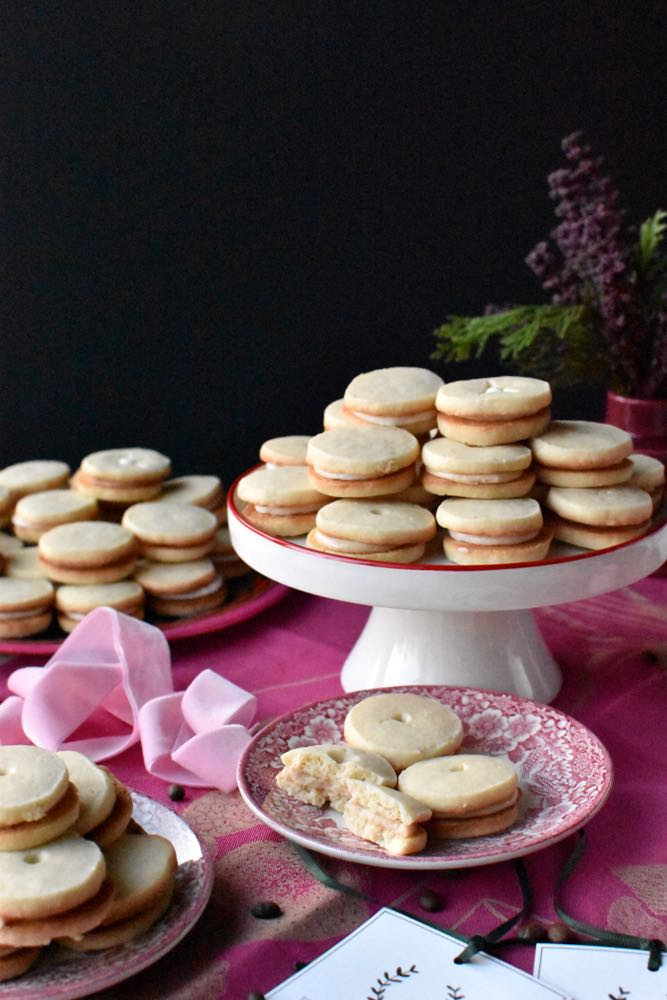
(565, 776)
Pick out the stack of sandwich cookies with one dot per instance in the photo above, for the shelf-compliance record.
(470, 795)
(171, 532)
(201, 491)
(582, 454)
(403, 728)
(386, 817)
(493, 531)
(122, 475)
(491, 411)
(74, 601)
(495, 472)
(34, 476)
(598, 518)
(288, 450)
(395, 397)
(362, 462)
(281, 501)
(88, 552)
(37, 513)
(377, 530)
(141, 868)
(319, 774)
(26, 606)
(181, 590)
(648, 473)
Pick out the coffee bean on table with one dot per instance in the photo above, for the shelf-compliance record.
(176, 793)
(298, 965)
(530, 932)
(558, 933)
(256, 995)
(267, 910)
(430, 901)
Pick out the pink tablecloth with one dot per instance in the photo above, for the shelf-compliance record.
(613, 653)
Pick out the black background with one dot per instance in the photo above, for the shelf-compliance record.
(214, 215)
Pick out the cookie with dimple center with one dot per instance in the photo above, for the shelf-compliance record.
(88, 552)
(26, 606)
(288, 450)
(318, 774)
(581, 444)
(38, 512)
(459, 785)
(386, 816)
(403, 728)
(34, 476)
(281, 501)
(502, 397)
(399, 397)
(363, 461)
(32, 780)
(615, 506)
(368, 528)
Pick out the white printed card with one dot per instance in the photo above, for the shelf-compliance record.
(596, 972)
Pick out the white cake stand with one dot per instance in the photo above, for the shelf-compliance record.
(438, 623)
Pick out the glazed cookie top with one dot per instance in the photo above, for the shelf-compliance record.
(461, 783)
(490, 517)
(199, 490)
(362, 451)
(31, 476)
(51, 878)
(288, 450)
(24, 594)
(613, 506)
(391, 523)
(503, 396)
(127, 464)
(168, 523)
(393, 391)
(31, 781)
(581, 444)
(445, 455)
(86, 542)
(287, 485)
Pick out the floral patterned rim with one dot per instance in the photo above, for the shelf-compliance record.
(68, 975)
(565, 775)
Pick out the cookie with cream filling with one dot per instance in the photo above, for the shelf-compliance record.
(382, 531)
(489, 411)
(495, 472)
(394, 397)
(362, 461)
(281, 501)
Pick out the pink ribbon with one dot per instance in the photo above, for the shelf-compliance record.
(116, 669)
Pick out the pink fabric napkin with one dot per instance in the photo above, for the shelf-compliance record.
(117, 665)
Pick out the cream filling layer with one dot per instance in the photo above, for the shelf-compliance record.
(10, 615)
(398, 421)
(347, 544)
(475, 477)
(461, 536)
(274, 509)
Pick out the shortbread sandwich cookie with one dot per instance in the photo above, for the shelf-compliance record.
(88, 552)
(363, 461)
(403, 728)
(202, 491)
(25, 564)
(75, 601)
(489, 411)
(122, 475)
(386, 817)
(581, 446)
(648, 473)
(281, 501)
(493, 531)
(33, 781)
(39, 512)
(171, 532)
(395, 397)
(188, 604)
(95, 789)
(599, 518)
(116, 823)
(495, 472)
(318, 774)
(373, 529)
(287, 450)
(336, 417)
(59, 819)
(225, 556)
(26, 607)
(470, 795)
(34, 476)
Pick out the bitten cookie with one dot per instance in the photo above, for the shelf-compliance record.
(497, 472)
(490, 411)
(318, 774)
(395, 397)
(403, 728)
(362, 462)
(281, 501)
(372, 529)
(386, 817)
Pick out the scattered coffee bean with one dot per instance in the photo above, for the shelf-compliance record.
(176, 793)
(651, 657)
(558, 933)
(267, 910)
(256, 995)
(530, 932)
(300, 965)
(430, 901)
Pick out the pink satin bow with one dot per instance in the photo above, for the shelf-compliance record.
(115, 671)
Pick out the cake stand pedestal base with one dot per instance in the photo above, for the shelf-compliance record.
(500, 650)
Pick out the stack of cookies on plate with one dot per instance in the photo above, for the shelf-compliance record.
(118, 532)
(505, 478)
(399, 780)
(74, 869)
